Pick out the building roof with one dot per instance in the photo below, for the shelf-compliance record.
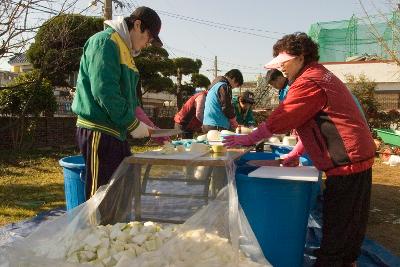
(19, 58)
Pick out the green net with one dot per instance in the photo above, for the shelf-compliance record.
(374, 36)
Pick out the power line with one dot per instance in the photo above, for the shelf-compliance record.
(217, 23)
(199, 39)
(210, 59)
(230, 27)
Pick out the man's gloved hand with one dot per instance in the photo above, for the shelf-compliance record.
(141, 131)
(261, 133)
(141, 115)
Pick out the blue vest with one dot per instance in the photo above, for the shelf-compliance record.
(213, 115)
(282, 93)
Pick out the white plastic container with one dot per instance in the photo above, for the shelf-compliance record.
(289, 140)
(213, 135)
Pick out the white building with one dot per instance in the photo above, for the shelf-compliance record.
(154, 103)
(386, 74)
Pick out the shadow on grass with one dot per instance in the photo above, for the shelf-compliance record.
(23, 158)
(30, 197)
(8, 172)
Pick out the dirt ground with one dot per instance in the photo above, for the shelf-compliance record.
(384, 217)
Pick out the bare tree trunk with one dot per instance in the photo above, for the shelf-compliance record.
(16, 132)
(13, 130)
(139, 93)
(179, 97)
(21, 133)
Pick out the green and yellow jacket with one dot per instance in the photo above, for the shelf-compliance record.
(105, 98)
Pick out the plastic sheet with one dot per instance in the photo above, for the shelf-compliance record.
(211, 227)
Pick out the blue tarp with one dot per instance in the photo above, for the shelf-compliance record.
(373, 254)
(20, 229)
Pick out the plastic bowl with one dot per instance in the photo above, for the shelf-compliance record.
(218, 148)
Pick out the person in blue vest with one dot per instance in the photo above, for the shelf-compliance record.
(243, 109)
(275, 78)
(219, 113)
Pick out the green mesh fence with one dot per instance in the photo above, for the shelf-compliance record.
(340, 40)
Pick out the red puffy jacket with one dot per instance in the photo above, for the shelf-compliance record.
(187, 115)
(323, 112)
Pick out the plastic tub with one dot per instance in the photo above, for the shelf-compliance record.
(280, 150)
(277, 211)
(254, 156)
(304, 160)
(74, 180)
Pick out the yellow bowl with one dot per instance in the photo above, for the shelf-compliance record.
(218, 148)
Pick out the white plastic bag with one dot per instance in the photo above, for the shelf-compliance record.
(214, 233)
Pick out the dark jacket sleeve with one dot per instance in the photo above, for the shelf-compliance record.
(225, 100)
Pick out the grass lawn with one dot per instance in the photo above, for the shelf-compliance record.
(32, 182)
(384, 216)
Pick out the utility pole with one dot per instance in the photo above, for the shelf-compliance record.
(215, 67)
(107, 9)
(215, 70)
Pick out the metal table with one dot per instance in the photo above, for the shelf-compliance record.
(211, 160)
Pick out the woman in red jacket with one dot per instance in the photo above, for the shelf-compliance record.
(334, 134)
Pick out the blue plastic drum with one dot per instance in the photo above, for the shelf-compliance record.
(277, 211)
(74, 180)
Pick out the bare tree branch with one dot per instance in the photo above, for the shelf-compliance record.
(17, 26)
(389, 49)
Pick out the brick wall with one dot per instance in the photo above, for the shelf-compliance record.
(50, 131)
(388, 101)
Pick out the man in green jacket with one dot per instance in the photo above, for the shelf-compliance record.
(105, 100)
(243, 109)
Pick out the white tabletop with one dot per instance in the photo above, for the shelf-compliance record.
(301, 173)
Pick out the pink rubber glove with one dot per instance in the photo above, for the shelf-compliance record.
(261, 133)
(292, 158)
(233, 123)
(141, 115)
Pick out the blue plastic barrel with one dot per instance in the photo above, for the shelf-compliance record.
(277, 211)
(244, 168)
(74, 180)
(305, 160)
